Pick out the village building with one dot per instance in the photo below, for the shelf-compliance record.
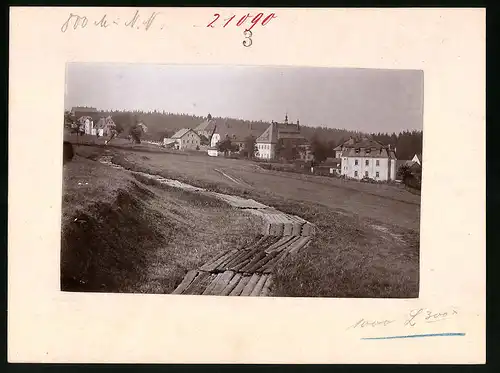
(86, 124)
(368, 159)
(105, 126)
(286, 135)
(236, 133)
(206, 128)
(184, 139)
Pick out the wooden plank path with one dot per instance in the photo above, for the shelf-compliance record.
(247, 270)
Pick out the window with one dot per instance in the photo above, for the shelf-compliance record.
(377, 174)
(355, 173)
(366, 173)
(367, 162)
(377, 163)
(355, 162)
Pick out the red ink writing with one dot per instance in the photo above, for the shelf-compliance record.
(216, 15)
(227, 23)
(245, 20)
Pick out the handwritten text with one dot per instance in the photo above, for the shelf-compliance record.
(419, 316)
(247, 20)
(137, 21)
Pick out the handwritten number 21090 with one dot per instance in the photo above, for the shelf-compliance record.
(255, 20)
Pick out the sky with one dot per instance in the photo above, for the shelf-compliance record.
(369, 100)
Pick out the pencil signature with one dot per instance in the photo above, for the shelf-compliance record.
(137, 21)
(415, 317)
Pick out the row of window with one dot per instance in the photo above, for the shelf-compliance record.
(367, 162)
(263, 146)
(377, 174)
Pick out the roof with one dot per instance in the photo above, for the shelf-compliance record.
(207, 125)
(378, 153)
(105, 122)
(367, 148)
(84, 109)
(270, 135)
(278, 131)
(239, 130)
(345, 144)
(179, 134)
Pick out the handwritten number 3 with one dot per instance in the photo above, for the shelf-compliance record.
(248, 38)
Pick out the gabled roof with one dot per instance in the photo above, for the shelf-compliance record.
(105, 122)
(207, 125)
(181, 133)
(270, 135)
(349, 142)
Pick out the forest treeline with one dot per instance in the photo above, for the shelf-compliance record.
(163, 124)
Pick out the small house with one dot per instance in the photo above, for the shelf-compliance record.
(186, 139)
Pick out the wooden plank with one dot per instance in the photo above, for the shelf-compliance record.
(266, 289)
(260, 284)
(186, 281)
(237, 267)
(269, 267)
(223, 265)
(258, 266)
(253, 261)
(213, 284)
(250, 285)
(241, 285)
(244, 258)
(214, 259)
(200, 288)
(212, 266)
(192, 287)
(287, 228)
(296, 229)
(299, 245)
(237, 258)
(278, 243)
(289, 241)
(232, 284)
(222, 282)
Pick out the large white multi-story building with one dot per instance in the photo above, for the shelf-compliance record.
(367, 159)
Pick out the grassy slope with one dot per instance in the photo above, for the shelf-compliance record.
(353, 255)
(382, 202)
(134, 236)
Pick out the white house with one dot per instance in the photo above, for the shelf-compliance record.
(88, 125)
(185, 139)
(266, 143)
(288, 134)
(368, 159)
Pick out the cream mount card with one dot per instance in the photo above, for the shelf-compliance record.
(322, 67)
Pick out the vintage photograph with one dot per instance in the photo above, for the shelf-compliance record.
(241, 180)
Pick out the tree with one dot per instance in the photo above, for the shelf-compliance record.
(250, 146)
(289, 151)
(225, 146)
(404, 173)
(69, 119)
(319, 150)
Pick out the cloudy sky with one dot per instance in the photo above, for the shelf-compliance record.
(357, 99)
